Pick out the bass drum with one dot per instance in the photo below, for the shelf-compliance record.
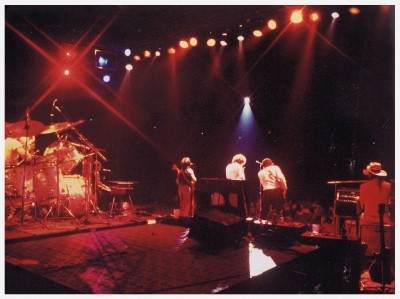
(45, 182)
(73, 194)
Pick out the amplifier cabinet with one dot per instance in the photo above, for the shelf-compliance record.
(347, 202)
(350, 208)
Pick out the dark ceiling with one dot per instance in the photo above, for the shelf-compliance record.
(321, 116)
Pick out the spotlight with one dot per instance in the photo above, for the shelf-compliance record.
(105, 60)
(137, 57)
(246, 100)
(354, 10)
(171, 50)
(106, 78)
(183, 44)
(147, 54)
(127, 52)
(66, 72)
(158, 53)
(240, 38)
(129, 67)
(102, 61)
(272, 24)
(223, 43)
(335, 15)
(296, 17)
(314, 17)
(211, 42)
(193, 42)
(257, 33)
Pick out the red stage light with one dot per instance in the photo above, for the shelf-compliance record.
(314, 17)
(193, 42)
(211, 42)
(296, 17)
(354, 10)
(257, 33)
(272, 24)
(183, 44)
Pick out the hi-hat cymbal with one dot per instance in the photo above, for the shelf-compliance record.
(28, 128)
(60, 127)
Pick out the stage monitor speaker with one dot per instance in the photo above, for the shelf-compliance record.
(217, 228)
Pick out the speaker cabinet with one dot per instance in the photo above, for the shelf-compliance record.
(217, 228)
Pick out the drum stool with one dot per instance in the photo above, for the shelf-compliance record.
(118, 191)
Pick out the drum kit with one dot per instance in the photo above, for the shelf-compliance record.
(62, 182)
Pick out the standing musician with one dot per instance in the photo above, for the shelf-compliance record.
(274, 189)
(235, 170)
(372, 193)
(186, 181)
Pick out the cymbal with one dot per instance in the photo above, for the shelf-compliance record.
(60, 127)
(27, 128)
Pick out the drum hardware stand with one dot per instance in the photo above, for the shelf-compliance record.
(59, 202)
(24, 187)
(87, 168)
(96, 184)
(90, 188)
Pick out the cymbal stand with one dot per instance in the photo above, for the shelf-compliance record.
(81, 137)
(260, 191)
(88, 168)
(87, 175)
(24, 186)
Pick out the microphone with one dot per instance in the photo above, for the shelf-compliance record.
(258, 162)
(52, 111)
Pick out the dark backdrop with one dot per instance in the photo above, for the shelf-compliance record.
(321, 112)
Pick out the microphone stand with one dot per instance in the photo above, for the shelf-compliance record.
(81, 137)
(88, 167)
(260, 197)
(24, 177)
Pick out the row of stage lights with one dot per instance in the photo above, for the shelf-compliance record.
(104, 59)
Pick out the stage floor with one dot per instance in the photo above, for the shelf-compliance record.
(127, 254)
(135, 252)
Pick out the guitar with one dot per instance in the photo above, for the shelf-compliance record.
(190, 182)
(379, 269)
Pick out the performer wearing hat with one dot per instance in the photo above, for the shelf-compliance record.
(274, 189)
(186, 181)
(374, 192)
(235, 170)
